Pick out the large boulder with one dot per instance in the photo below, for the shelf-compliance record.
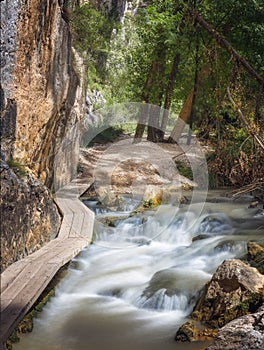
(244, 333)
(170, 289)
(234, 290)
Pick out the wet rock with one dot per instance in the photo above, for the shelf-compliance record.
(244, 198)
(200, 237)
(164, 279)
(244, 333)
(255, 252)
(139, 240)
(215, 224)
(255, 256)
(254, 204)
(259, 213)
(226, 245)
(234, 290)
(153, 195)
(116, 293)
(170, 288)
(187, 332)
(111, 221)
(192, 331)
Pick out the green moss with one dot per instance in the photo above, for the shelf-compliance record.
(243, 307)
(18, 168)
(148, 203)
(44, 301)
(12, 340)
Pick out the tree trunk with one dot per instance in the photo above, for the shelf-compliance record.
(195, 89)
(169, 92)
(182, 119)
(153, 123)
(143, 117)
(156, 96)
(152, 93)
(187, 106)
(258, 102)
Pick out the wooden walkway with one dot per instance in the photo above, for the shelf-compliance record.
(24, 281)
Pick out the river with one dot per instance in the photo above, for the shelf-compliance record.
(139, 281)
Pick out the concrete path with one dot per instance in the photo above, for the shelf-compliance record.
(24, 281)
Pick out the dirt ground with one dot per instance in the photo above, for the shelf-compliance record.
(124, 167)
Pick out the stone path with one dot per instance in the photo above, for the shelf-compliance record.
(24, 281)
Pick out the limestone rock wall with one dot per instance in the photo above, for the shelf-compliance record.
(29, 217)
(39, 83)
(41, 99)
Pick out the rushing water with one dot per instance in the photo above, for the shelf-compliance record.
(137, 284)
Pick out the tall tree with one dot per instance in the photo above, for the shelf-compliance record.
(169, 93)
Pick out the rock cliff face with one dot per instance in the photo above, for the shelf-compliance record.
(41, 97)
(39, 84)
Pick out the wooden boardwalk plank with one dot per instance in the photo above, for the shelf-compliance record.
(21, 303)
(23, 282)
(87, 229)
(11, 273)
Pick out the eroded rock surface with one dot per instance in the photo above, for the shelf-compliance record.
(41, 97)
(234, 290)
(29, 217)
(191, 332)
(39, 85)
(244, 333)
(256, 256)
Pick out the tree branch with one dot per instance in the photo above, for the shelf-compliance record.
(224, 43)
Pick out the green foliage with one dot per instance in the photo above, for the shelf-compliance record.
(91, 29)
(184, 169)
(243, 307)
(120, 61)
(92, 32)
(148, 203)
(108, 135)
(18, 168)
(241, 22)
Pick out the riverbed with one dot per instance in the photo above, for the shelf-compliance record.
(140, 279)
